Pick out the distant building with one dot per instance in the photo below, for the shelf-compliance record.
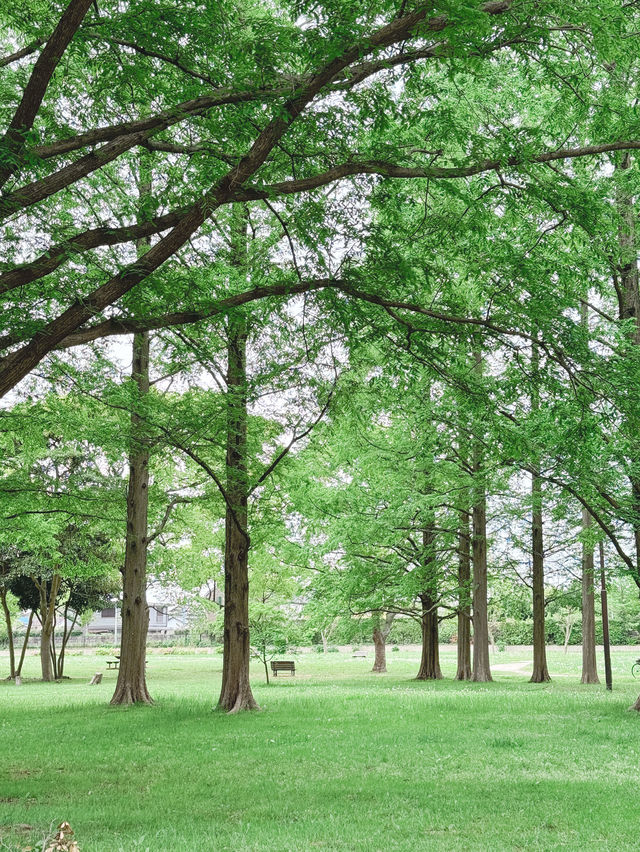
(167, 615)
(164, 620)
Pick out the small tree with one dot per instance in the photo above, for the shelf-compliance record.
(270, 632)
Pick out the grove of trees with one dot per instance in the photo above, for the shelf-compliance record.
(330, 303)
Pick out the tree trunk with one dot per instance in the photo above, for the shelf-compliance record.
(430, 659)
(325, 641)
(589, 668)
(380, 634)
(25, 643)
(628, 292)
(52, 650)
(463, 671)
(540, 670)
(48, 595)
(481, 666)
(131, 687)
(605, 621)
(7, 618)
(66, 633)
(236, 694)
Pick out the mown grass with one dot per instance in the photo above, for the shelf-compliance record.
(339, 759)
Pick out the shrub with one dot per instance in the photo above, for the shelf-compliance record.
(406, 631)
(448, 630)
(513, 631)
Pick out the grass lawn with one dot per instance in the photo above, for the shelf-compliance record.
(339, 759)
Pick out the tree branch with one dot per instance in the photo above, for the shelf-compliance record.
(14, 139)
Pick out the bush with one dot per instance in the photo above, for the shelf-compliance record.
(395, 648)
(448, 630)
(514, 632)
(406, 631)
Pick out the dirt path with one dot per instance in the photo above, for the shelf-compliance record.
(513, 667)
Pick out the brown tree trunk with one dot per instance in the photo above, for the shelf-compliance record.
(380, 634)
(628, 292)
(463, 671)
(7, 618)
(236, 694)
(481, 666)
(540, 670)
(589, 668)
(430, 659)
(608, 678)
(48, 595)
(66, 633)
(25, 643)
(131, 687)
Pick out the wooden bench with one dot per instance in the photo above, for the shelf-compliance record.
(359, 654)
(113, 664)
(283, 666)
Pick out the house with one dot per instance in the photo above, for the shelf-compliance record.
(166, 617)
(162, 622)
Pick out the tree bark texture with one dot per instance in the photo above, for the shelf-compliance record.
(68, 626)
(481, 666)
(7, 618)
(380, 634)
(540, 670)
(606, 641)
(628, 291)
(463, 671)
(430, 658)
(131, 687)
(589, 667)
(48, 594)
(236, 694)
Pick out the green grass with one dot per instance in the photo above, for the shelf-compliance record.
(339, 759)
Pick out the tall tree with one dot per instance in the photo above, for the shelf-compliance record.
(589, 666)
(540, 672)
(131, 687)
(463, 671)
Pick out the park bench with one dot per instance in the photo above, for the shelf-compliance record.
(114, 664)
(283, 666)
(359, 654)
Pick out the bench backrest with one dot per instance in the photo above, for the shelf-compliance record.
(283, 665)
